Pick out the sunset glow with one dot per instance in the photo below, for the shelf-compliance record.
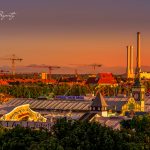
(62, 32)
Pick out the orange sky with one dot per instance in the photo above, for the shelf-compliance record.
(63, 33)
(109, 50)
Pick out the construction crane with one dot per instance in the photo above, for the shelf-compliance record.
(4, 71)
(13, 59)
(50, 68)
(86, 65)
(95, 65)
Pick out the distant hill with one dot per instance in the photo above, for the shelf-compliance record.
(146, 68)
(71, 70)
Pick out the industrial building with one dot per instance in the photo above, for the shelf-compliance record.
(145, 75)
(129, 70)
(130, 74)
(49, 110)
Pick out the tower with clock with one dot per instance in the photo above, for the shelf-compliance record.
(138, 92)
(138, 89)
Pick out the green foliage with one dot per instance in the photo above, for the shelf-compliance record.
(77, 135)
(26, 138)
(24, 91)
(138, 123)
(34, 91)
(92, 136)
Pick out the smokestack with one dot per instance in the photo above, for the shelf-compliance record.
(128, 62)
(138, 60)
(131, 60)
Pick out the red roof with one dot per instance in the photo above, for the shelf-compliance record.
(106, 78)
(3, 82)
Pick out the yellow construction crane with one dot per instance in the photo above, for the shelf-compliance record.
(94, 66)
(13, 59)
(50, 68)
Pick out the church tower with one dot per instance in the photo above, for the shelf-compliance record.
(99, 105)
(138, 90)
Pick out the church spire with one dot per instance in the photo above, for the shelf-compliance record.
(99, 103)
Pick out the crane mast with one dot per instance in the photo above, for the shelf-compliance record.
(13, 60)
(50, 68)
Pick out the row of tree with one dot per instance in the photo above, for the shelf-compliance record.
(76, 135)
(36, 90)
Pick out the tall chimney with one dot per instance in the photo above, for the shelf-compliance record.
(138, 60)
(128, 62)
(131, 60)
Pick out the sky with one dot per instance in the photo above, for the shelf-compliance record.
(63, 32)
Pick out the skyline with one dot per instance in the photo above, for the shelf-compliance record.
(63, 33)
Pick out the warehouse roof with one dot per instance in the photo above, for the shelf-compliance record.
(114, 103)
